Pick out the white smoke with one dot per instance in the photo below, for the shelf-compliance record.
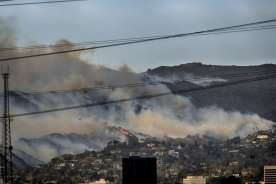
(173, 116)
(194, 79)
(206, 121)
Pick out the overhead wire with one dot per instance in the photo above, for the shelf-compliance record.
(146, 40)
(226, 77)
(240, 27)
(39, 2)
(5, 0)
(143, 97)
(90, 43)
(69, 44)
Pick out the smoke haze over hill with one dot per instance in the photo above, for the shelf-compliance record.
(173, 116)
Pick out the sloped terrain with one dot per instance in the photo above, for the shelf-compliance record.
(256, 97)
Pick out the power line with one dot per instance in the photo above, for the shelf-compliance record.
(142, 84)
(121, 43)
(69, 44)
(145, 40)
(40, 47)
(116, 44)
(40, 2)
(149, 96)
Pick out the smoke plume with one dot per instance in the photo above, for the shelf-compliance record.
(174, 116)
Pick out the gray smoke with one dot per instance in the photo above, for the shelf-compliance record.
(173, 116)
(195, 79)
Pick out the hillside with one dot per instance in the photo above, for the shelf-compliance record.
(176, 158)
(257, 97)
(247, 107)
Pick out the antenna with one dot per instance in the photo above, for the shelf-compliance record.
(6, 149)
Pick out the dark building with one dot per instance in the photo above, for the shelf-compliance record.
(139, 170)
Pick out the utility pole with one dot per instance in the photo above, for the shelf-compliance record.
(6, 152)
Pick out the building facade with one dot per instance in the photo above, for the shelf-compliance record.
(194, 180)
(101, 181)
(269, 174)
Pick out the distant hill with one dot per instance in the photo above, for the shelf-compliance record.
(256, 97)
(58, 144)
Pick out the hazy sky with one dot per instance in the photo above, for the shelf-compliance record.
(109, 19)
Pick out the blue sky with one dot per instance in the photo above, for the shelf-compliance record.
(109, 19)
